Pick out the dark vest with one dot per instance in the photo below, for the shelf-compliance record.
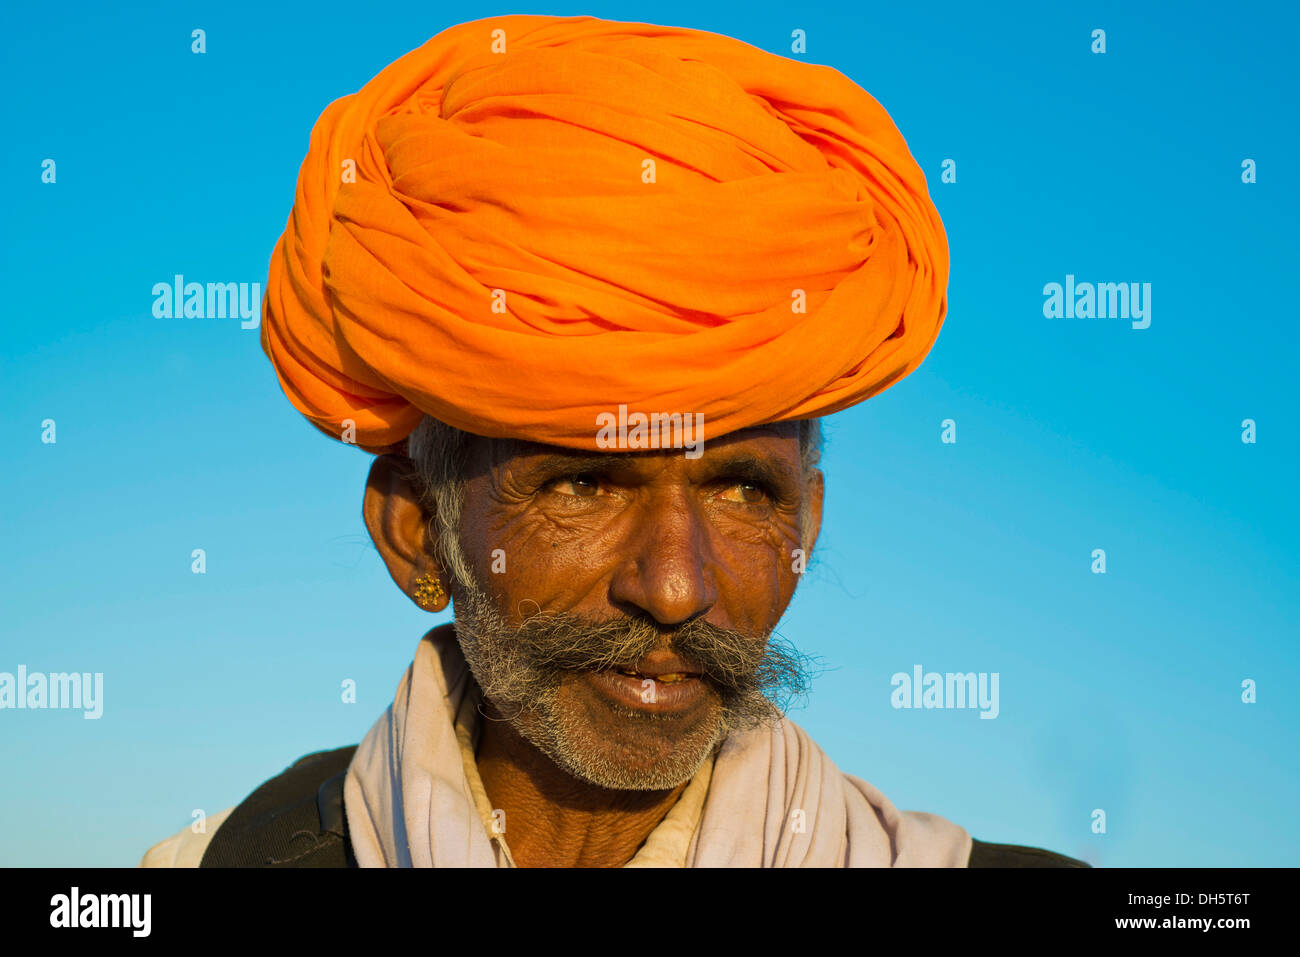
(296, 819)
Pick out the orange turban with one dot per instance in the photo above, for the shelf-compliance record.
(531, 220)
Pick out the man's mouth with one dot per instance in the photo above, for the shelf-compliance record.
(662, 666)
(660, 682)
(671, 677)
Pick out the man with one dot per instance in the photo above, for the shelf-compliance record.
(586, 288)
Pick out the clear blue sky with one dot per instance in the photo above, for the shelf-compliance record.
(1119, 691)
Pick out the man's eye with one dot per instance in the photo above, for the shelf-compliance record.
(585, 485)
(745, 493)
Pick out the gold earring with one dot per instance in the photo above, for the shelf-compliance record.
(428, 591)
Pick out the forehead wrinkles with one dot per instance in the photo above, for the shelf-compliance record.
(500, 455)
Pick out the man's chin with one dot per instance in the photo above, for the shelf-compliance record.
(594, 729)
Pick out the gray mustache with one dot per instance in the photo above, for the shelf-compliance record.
(738, 663)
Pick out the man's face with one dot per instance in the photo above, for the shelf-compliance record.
(622, 606)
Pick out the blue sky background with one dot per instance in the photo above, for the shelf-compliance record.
(1118, 691)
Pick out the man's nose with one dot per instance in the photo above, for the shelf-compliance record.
(667, 570)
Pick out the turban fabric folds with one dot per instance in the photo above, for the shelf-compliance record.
(530, 221)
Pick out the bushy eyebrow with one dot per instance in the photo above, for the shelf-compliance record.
(743, 466)
(577, 463)
(773, 473)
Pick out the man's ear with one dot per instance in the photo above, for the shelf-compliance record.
(815, 489)
(400, 530)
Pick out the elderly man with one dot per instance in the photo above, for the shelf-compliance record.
(586, 289)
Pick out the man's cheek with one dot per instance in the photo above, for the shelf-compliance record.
(757, 561)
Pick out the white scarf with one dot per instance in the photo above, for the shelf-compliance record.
(774, 800)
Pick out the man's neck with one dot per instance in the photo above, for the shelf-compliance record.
(554, 819)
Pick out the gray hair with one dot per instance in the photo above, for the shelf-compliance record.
(440, 454)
